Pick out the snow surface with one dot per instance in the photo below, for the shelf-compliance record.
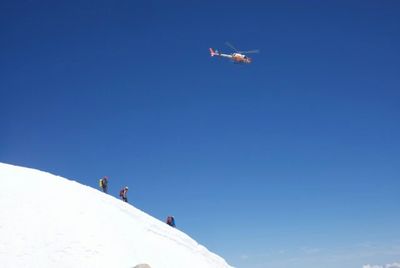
(50, 221)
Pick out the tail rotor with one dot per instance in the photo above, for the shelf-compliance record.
(213, 53)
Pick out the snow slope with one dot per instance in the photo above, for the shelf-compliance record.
(49, 221)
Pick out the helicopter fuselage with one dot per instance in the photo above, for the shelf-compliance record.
(235, 57)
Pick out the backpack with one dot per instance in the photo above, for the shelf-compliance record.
(121, 193)
(101, 183)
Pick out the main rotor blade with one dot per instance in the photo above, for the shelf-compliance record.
(250, 51)
(231, 46)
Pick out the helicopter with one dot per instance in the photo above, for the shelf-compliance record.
(235, 57)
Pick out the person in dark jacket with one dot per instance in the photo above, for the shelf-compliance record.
(171, 221)
(124, 194)
(104, 184)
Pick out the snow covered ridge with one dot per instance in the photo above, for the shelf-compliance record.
(393, 265)
(48, 221)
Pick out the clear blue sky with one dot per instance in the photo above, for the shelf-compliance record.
(292, 161)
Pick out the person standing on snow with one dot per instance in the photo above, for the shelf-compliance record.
(123, 194)
(171, 221)
(104, 184)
